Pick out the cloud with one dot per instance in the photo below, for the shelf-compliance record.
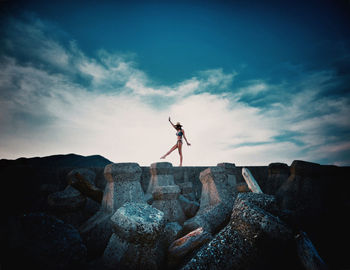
(57, 99)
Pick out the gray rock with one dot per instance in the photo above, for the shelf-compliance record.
(123, 185)
(138, 222)
(161, 175)
(230, 170)
(278, 173)
(216, 201)
(172, 231)
(96, 232)
(41, 241)
(186, 245)
(189, 207)
(304, 192)
(308, 254)
(186, 187)
(135, 243)
(83, 180)
(89, 176)
(166, 200)
(68, 200)
(253, 239)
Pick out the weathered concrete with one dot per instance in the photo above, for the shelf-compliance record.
(83, 180)
(216, 201)
(166, 200)
(186, 246)
(123, 185)
(308, 254)
(251, 182)
(230, 170)
(161, 175)
(253, 239)
(41, 241)
(68, 205)
(135, 243)
(278, 173)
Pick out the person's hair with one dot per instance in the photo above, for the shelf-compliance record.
(178, 126)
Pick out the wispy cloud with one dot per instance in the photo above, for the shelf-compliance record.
(56, 99)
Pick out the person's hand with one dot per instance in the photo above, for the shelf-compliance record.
(169, 119)
(188, 144)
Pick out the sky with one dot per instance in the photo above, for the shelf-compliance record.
(252, 82)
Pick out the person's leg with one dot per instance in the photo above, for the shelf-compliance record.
(171, 150)
(179, 147)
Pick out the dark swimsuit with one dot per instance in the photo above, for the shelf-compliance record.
(179, 133)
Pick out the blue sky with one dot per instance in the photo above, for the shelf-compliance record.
(253, 83)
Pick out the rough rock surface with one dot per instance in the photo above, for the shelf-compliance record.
(308, 254)
(44, 242)
(96, 232)
(123, 185)
(172, 231)
(161, 175)
(253, 239)
(278, 173)
(68, 200)
(166, 200)
(135, 243)
(83, 180)
(189, 207)
(230, 170)
(216, 201)
(68, 205)
(186, 246)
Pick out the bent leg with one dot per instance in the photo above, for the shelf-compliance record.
(171, 150)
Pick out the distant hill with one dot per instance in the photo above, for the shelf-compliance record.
(26, 182)
(69, 160)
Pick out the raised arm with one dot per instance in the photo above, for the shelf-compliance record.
(171, 123)
(183, 132)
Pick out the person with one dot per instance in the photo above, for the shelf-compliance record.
(180, 133)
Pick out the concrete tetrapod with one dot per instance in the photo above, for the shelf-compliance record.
(165, 199)
(123, 185)
(135, 243)
(216, 201)
(161, 175)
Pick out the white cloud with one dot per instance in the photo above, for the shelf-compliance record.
(44, 113)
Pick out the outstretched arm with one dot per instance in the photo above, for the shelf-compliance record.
(171, 123)
(183, 132)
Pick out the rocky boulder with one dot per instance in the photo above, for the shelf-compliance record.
(278, 173)
(136, 241)
(40, 241)
(253, 239)
(83, 180)
(186, 246)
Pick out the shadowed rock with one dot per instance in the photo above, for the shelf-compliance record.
(40, 241)
(253, 239)
(83, 180)
(123, 185)
(230, 170)
(216, 201)
(251, 182)
(186, 245)
(278, 173)
(161, 175)
(308, 254)
(68, 205)
(166, 200)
